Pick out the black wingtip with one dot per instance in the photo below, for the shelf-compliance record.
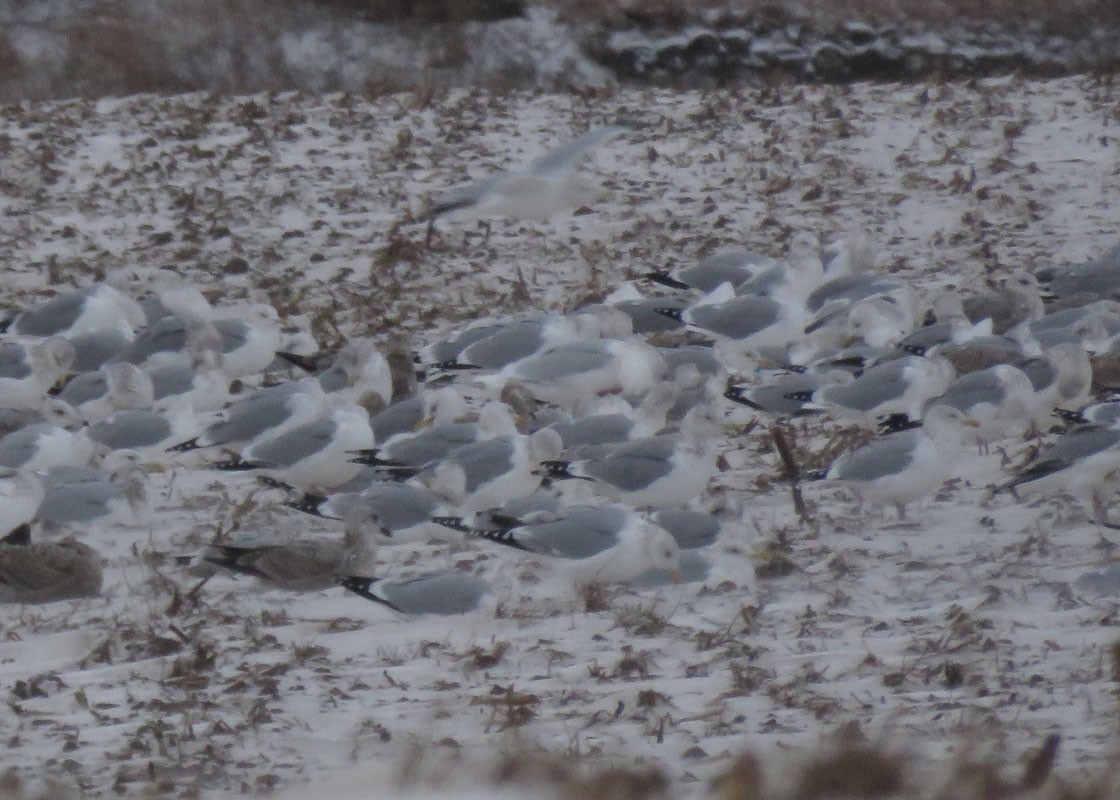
(1072, 417)
(454, 523)
(738, 394)
(665, 279)
(893, 423)
(800, 397)
(236, 465)
(502, 537)
(19, 535)
(308, 504)
(185, 447)
(306, 363)
(555, 469)
(363, 588)
(671, 313)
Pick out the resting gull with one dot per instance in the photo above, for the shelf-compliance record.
(605, 544)
(668, 470)
(94, 308)
(44, 572)
(304, 565)
(42, 445)
(314, 455)
(1082, 461)
(28, 371)
(491, 472)
(442, 593)
(20, 495)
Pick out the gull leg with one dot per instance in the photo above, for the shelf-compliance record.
(431, 230)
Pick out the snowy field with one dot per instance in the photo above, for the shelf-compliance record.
(957, 629)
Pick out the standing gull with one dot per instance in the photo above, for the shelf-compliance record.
(901, 467)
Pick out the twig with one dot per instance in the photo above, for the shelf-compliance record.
(781, 443)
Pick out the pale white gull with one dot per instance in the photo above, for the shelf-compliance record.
(78, 497)
(547, 186)
(265, 414)
(664, 471)
(902, 467)
(443, 593)
(1084, 462)
(312, 456)
(567, 375)
(20, 495)
(604, 544)
(488, 473)
(94, 308)
(96, 395)
(42, 445)
(28, 371)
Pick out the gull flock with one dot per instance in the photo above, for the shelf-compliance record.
(587, 440)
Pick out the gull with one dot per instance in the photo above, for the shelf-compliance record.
(404, 418)
(145, 429)
(94, 308)
(443, 593)
(609, 427)
(667, 470)
(1063, 376)
(20, 496)
(514, 341)
(729, 266)
(901, 386)
(264, 414)
(1015, 299)
(791, 280)
(901, 467)
(96, 348)
(952, 326)
(304, 565)
(547, 186)
(96, 395)
(44, 572)
(1095, 278)
(360, 374)
(405, 512)
(74, 496)
(42, 445)
(604, 544)
(28, 371)
(495, 418)
(567, 375)
(314, 455)
(788, 395)
(488, 473)
(1083, 461)
(1000, 400)
(743, 322)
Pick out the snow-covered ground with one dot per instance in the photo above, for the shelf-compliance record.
(957, 628)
